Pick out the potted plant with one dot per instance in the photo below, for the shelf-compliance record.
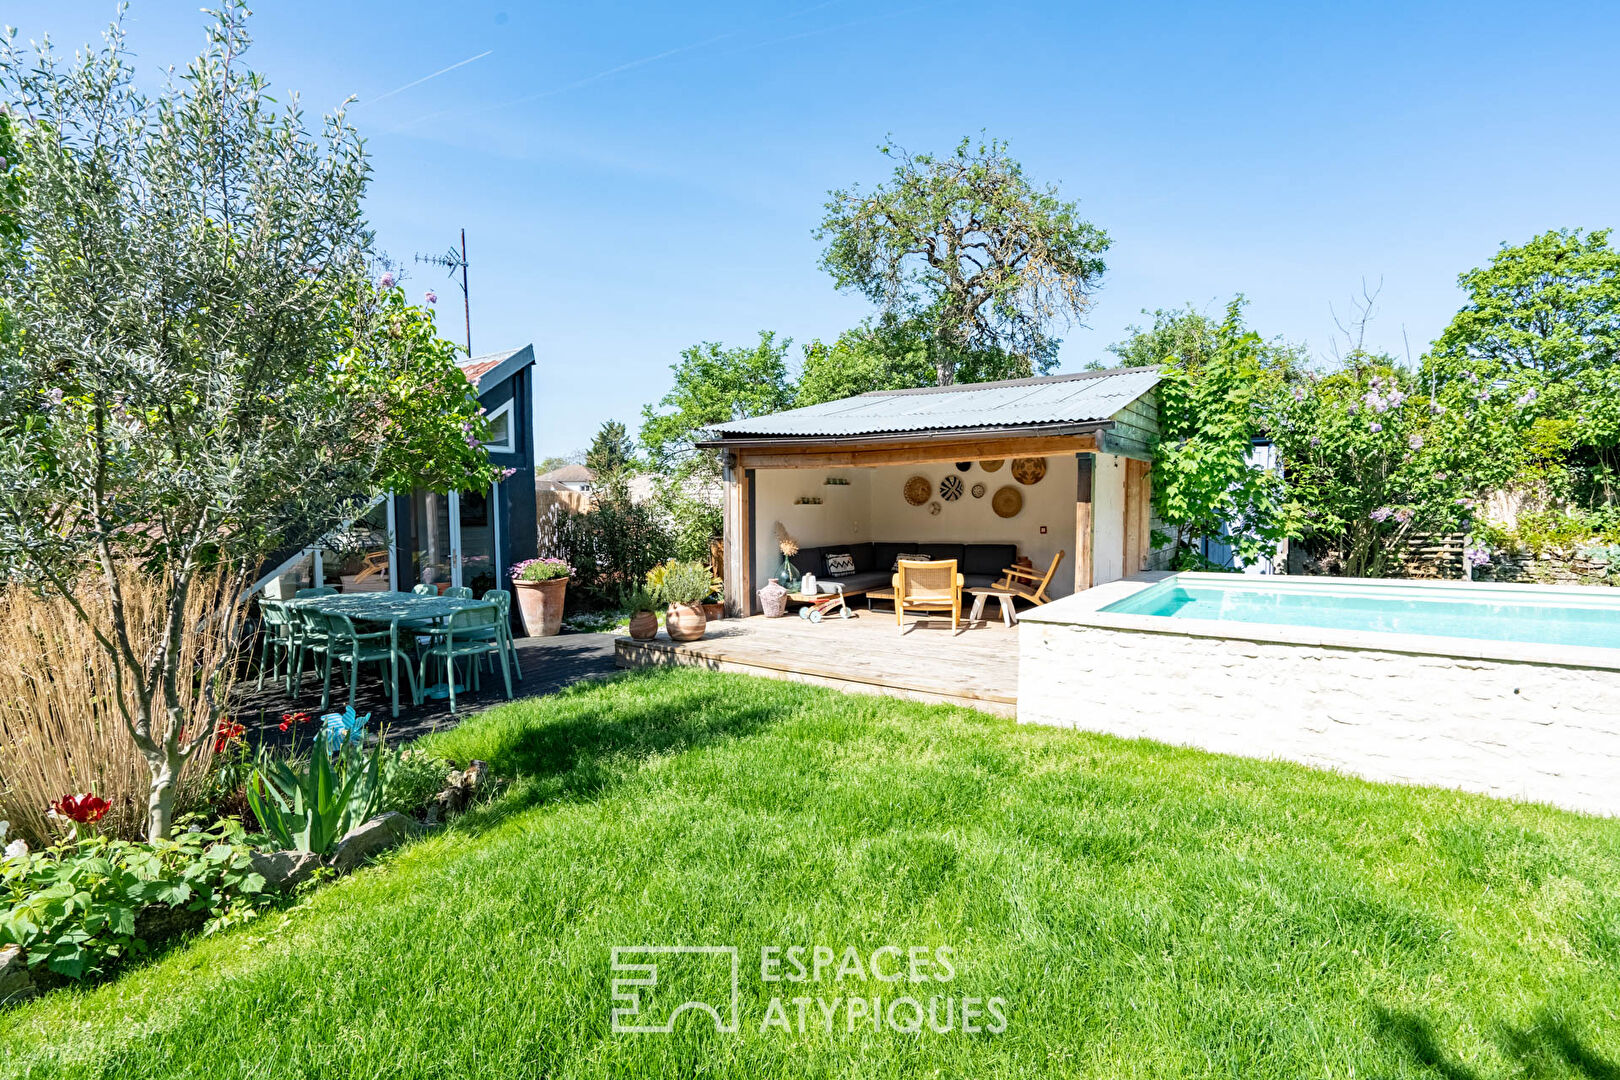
(541, 585)
(714, 605)
(685, 586)
(788, 575)
(642, 603)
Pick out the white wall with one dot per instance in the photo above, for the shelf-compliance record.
(842, 516)
(1108, 519)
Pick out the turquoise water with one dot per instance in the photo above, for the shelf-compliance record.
(1462, 611)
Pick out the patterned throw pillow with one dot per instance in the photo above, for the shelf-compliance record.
(842, 565)
(902, 557)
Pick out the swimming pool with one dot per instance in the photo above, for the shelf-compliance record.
(1512, 690)
(1515, 613)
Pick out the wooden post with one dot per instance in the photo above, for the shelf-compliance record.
(1083, 530)
(1137, 517)
(736, 511)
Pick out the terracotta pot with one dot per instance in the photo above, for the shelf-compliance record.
(685, 622)
(713, 612)
(541, 603)
(644, 626)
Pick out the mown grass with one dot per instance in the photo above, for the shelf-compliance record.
(1144, 911)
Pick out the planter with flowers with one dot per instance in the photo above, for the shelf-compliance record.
(541, 585)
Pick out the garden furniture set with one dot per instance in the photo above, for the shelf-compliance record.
(351, 629)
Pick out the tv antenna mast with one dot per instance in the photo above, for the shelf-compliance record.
(454, 260)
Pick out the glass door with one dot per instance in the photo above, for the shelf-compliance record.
(431, 541)
(480, 529)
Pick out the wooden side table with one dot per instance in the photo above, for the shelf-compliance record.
(1008, 616)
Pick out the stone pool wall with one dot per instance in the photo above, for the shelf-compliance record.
(1535, 731)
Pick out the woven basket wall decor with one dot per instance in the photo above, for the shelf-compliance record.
(1007, 501)
(1028, 470)
(992, 465)
(978, 491)
(950, 488)
(917, 490)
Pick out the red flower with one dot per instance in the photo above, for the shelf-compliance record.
(225, 732)
(84, 808)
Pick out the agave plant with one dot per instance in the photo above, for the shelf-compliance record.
(311, 807)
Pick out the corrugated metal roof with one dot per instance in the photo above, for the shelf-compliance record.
(1053, 399)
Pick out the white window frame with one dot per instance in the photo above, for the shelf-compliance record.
(494, 496)
(510, 445)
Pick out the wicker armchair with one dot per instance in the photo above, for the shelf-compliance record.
(927, 586)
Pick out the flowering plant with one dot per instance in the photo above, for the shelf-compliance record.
(545, 569)
(83, 809)
(344, 729)
(227, 732)
(290, 720)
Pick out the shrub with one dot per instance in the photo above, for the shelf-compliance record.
(684, 582)
(610, 547)
(76, 908)
(61, 729)
(310, 805)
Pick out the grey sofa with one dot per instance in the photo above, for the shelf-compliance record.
(979, 564)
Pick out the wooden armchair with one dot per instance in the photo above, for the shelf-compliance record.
(1027, 584)
(927, 586)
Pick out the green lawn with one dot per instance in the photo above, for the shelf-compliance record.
(1143, 911)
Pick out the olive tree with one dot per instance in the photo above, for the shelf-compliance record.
(198, 371)
(987, 260)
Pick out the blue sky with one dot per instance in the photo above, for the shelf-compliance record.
(636, 177)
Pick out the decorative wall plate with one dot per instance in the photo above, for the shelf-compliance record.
(934, 508)
(1007, 501)
(1028, 470)
(918, 489)
(950, 488)
(963, 466)
(991, 465)
(978, 491)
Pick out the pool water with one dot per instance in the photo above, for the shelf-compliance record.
(1537, 616)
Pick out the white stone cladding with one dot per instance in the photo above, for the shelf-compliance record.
(1536, 731)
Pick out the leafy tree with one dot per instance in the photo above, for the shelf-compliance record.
(893, 355)
(611, 546)
(713, 384)
(1543, 321)
(969, 247)
(611, 451)
(202, 373)
(1203, 482)
(1372, 460)
(557, 461)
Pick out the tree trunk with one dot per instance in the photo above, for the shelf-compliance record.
(160, 796)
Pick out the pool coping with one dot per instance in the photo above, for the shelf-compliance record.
(1082, 609)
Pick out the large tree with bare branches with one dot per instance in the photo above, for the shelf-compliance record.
(966, 244)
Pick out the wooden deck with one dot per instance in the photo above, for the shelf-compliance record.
(976, 667)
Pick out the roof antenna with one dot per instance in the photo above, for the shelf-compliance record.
(453, 260)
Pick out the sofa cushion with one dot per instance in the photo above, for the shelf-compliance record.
(941, 552)
(863, 558)
(809, 560)
(979, 581)
(883, 554)
(988, 558)
(840, 564)
(855, 583)
(908, 556)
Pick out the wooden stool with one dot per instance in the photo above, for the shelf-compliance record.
(1006, 598)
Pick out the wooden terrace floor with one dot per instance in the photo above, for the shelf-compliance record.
(976, 667)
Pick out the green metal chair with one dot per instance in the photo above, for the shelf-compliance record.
(459, 592)
(309, 639)
(348, 646)
(319, 590)
(471, 633)
(425, 590)
(503, 599)
(278, 638)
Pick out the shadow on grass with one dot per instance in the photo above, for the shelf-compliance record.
(593, 747)
(1548, 1048)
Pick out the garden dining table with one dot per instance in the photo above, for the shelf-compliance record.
(390, 607)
